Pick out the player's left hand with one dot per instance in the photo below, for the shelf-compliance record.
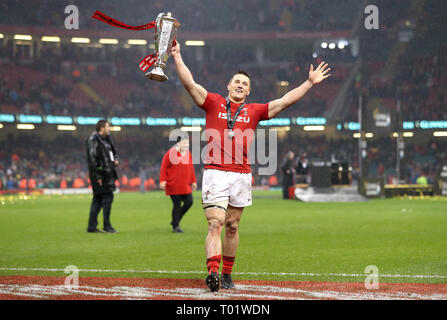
(319, 74)
(117, 163)
(194, 186)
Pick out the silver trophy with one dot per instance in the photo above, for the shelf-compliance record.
(164, 36)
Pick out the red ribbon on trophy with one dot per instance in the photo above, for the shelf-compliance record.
(113, 22)
(149, 60)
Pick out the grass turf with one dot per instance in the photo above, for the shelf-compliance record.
(399, 236)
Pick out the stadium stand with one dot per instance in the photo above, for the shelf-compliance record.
(71, 79)
(279, 15)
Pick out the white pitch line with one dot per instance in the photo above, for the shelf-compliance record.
(45, 292)
(330, 294)
(243, 291)
(352, 275)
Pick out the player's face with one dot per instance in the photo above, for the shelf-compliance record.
(239, 87)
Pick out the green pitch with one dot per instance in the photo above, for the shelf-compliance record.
(311, 241)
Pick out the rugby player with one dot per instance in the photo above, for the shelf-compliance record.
(226, 184)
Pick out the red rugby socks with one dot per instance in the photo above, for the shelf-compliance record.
(227, 266)
(213, 264)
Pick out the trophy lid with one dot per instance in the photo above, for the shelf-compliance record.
(170, 17)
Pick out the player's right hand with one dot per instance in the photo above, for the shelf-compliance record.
(100, 182)
(175, 50)
(162, 185)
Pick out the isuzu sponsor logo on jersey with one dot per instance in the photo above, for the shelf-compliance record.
(223, 115)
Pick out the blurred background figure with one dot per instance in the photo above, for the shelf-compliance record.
(143, 178)
(102, 160)
(288, 174)
(302, 168)
(422, 180)
(178, 179)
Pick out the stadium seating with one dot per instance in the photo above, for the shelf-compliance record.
(281, 15)
(125, 94)
(68, 80)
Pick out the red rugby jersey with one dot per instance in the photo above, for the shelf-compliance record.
(225, 153)
(178, 172)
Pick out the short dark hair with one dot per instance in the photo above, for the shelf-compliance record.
(245, 73)
(101, 124)
(240, 71)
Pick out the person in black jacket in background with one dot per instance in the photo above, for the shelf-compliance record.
(302, 168)
(102, 160)
(288, 174)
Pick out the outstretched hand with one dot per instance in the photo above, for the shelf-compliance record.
(175, 50)
(319, 74)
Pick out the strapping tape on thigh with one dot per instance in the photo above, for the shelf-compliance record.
(218, 205)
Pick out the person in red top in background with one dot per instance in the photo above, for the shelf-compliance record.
(226, 186)
(178, 179)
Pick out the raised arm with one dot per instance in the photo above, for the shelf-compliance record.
(295, 95)
(197, 92)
